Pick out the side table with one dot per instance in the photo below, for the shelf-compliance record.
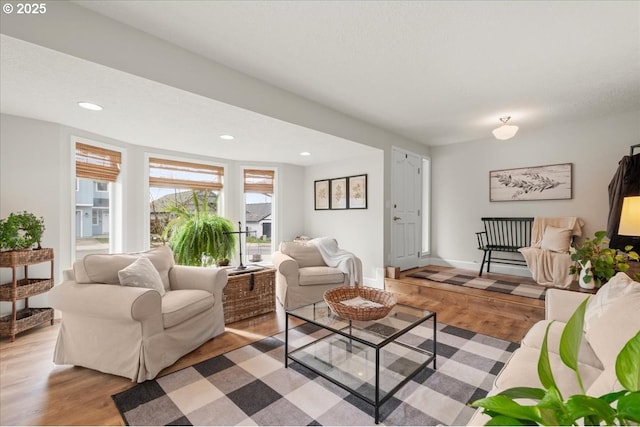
(249, 294)
(21, 289)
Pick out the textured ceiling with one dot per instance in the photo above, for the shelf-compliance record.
(435, 72)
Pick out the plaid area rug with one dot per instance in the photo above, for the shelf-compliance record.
(464, 278)
(251, 386)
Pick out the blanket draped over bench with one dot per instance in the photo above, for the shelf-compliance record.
(548, 256)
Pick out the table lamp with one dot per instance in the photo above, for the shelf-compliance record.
(630, 217)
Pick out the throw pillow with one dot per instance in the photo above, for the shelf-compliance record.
(141, 274)
(617, 325)
(556, 239)
(617, 287)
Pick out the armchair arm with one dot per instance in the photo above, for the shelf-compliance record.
(203, 278)
(286, 266)
(106, 301)
(560, 304)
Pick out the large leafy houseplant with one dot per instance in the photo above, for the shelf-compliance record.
(195, 233)
(21, 231)
(617, 408)
(604, 262)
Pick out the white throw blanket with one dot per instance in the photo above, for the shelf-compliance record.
(343, 260)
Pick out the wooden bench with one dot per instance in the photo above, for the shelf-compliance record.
(503, 235)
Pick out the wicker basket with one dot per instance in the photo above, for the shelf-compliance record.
(333, 297)
(25, 257)
(25, 288)
(25, 319)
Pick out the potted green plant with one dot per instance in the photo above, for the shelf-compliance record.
(597, 263)
(195, 235)
(20, 231)
(617, 408)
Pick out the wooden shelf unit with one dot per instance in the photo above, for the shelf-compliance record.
(21, 289)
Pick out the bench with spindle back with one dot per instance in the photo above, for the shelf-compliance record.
(503, 235)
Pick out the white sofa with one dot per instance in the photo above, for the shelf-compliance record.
(129, 330)
(302, 276)
(611, 319)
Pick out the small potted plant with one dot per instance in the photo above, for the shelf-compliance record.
(21, 231)
(597, 263)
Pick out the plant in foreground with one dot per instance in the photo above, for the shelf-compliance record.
(617, 408)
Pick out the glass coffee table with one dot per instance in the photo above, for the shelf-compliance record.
(370, 359)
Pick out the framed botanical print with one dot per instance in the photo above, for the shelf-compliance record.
(550, 182)
(321, 194)
(338, 194)
(358, 191)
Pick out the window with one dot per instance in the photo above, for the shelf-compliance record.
(259, 191)
(97, 169)
(426, 206)
(172, 183)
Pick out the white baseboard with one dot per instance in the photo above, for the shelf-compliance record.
(514, 270)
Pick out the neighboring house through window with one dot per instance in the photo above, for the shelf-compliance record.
(259, 194)
(97, 168)
(173, 182)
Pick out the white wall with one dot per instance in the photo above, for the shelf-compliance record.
(360, 231)
(461, 180)
(30, 179)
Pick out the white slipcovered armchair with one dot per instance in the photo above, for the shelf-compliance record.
(113, 323)
(302, 273)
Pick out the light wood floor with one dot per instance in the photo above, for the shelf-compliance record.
(34, 391)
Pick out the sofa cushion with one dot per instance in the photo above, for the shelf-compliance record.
(521, 371)
(556, 239)
(618, 286)
(535, 336)
(606, 383)
(178, 306)
(141, 274)
(104, 268)
(617, 325)
(310, 276)
(305, 255)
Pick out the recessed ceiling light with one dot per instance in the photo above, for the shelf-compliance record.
(90, 106)
(305, 153)
(228, 137)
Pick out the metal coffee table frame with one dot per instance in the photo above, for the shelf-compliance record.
(347, 333)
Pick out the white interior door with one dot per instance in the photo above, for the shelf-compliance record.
(406, 201)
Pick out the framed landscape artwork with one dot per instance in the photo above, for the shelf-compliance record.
(551, 182)
(338, 194)
(358, 192)
(321, 194)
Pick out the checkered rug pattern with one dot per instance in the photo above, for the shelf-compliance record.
(465, 278)
(251, 386)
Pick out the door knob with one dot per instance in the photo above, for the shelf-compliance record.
(395, 218)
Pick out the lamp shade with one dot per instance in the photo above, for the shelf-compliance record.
(630, 217)
(505, 132)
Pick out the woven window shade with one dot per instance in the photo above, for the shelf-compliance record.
(258, 181)
(97, 163)
(164, 173)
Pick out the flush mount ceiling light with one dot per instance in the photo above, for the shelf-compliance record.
(227, 137)
(505, 131)
(90, 106)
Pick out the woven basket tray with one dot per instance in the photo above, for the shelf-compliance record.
(333, 298)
